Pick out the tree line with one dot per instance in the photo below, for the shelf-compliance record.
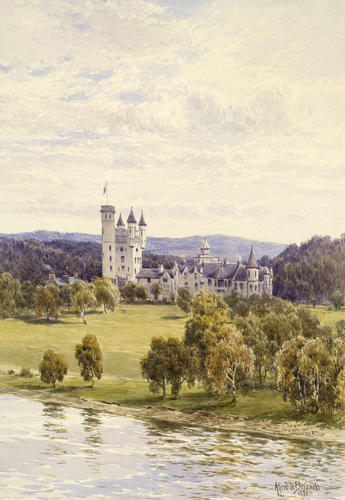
(47, 301)
(234, 342)
(31, 260)
(310, 272)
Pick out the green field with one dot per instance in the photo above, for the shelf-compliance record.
(326, 316)
(124, 337)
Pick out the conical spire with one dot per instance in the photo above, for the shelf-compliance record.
(120, 222)
(252, 260)
(142, 220)
(204, 244)
(131, 219)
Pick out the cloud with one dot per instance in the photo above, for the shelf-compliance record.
(223, 116)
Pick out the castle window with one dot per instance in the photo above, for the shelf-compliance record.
(185, 275)
(136, 250)
(195, 276)
(251, 287)
(209, 282)
(241, 286)
(109, 247)
(196, 285)
(235, 286)
(121, 249)
(111, 268)
(186, 284)
(165, 280)
(122, 258)
(256, 288)
(149, 280)
(110, 258)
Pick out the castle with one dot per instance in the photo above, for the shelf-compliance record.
(122, 261)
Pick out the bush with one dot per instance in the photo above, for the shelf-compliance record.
(53, 367)
(25, 372)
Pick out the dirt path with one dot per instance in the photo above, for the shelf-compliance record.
(288, 430)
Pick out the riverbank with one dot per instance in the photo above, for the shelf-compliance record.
(225, 423)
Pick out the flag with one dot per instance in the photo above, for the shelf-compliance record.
(105, 189)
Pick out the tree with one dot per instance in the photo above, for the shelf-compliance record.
(65, 294)
(10, 294)
(209, 312)
(84, 299)
(184, 300)
(256, 339)
(227, 355)
(141, 293)
(53, 367)
(156, 290)
(46, 301)
(337, 300)
(89, 357)
(128, 291)
(167, 362)
(107, 294)
(311, 372)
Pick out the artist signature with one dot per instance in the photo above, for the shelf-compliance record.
(302, 488)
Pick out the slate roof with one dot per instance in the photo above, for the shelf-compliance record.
(252, 260)
(131, 219)
(142, 220)
(148, 272)
(241, 275)
(120, 222)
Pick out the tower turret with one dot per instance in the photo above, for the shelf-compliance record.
(120, 222)
(204, 247)
(132, 226)
(142, 230)
(252, 273)
(108, 241)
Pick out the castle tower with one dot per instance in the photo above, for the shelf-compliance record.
(204, 248)
(252, 274)
(142, 231)
(108, 241)
(132, 227)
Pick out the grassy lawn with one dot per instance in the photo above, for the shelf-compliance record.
(327, 317)
(124, 336)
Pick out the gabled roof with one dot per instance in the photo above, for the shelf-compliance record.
(252, 260)
(148, 272)
(142, 220)
(241, 275)
(120, 222)
(131, 219)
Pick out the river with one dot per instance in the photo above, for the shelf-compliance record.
(49, 451)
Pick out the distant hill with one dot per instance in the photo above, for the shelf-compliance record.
(42, 235)
(222, 246)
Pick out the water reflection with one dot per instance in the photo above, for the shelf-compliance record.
(54, 418)
(50, 451)
(93, 437)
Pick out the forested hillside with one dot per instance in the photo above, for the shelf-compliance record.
(313, 270)
(31, 260)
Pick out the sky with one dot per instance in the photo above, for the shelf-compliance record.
(223, 116)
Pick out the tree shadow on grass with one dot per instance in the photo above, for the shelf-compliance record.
(32, 320)
(173, 317)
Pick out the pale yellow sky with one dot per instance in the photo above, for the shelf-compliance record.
(214, 117)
